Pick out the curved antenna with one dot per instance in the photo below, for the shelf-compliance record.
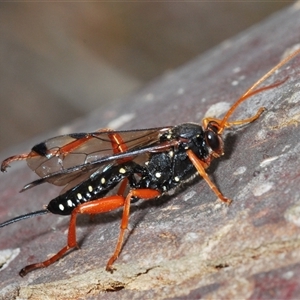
(250, 92)
(23, 217)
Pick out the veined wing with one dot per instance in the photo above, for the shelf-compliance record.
(65, 158)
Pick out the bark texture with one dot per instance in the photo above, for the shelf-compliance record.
(188, 246)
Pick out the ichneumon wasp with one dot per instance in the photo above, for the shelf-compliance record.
(148, 162)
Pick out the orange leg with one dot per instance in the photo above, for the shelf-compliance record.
(200, 166)
(10, 159)
(145, 194)
(114, 137)
(123, 185)
(95, 207)
(116, 141)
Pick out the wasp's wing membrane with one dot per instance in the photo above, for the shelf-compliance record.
(63, 159)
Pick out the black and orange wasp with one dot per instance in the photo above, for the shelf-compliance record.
(140, 164)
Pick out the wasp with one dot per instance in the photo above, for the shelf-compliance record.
(140, 164)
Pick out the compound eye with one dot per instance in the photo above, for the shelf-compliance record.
(213, 126)
(213, 140)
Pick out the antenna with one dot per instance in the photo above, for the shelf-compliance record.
(23, 217)
(251, 90)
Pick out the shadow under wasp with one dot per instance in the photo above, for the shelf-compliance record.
(150, 162)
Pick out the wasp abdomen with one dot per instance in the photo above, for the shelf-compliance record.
(97, 186)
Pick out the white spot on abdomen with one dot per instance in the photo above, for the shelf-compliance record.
(122, 171)
(70, 203)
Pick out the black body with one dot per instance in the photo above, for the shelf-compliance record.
(161, 168)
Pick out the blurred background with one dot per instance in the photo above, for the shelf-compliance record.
(60, 61)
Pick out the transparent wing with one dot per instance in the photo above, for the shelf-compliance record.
(74, 157)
